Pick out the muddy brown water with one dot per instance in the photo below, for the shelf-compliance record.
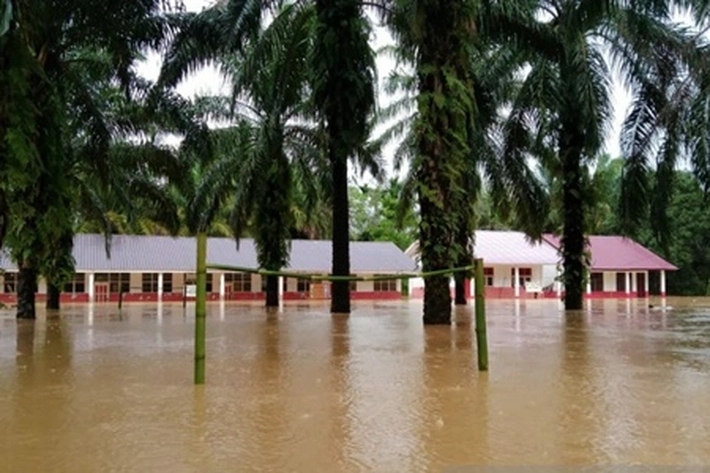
(95, 390)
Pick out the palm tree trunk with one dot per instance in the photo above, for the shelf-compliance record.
(573, 232)
(433, 236)
(460, 295)
(272, 291)
(26, 288)
(53, 295)
(445, 108)
(344, 92)
(340, 295)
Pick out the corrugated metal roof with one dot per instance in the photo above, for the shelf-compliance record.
(507, 248)
(617, 253)
(138, 253)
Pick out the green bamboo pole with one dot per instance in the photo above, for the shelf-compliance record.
(481, 341)
(320, 277)
(200, 308)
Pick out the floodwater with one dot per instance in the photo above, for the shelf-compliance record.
(95, 390)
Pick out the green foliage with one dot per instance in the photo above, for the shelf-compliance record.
(687, 245)
(375, 215)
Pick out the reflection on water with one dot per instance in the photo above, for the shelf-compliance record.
(297, 389)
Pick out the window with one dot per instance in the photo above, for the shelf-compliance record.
(621, 282)
(488, 276)
(149, 282)
(76, 285)
(101, 277)
(386, 285)
(353, 285)
(167, 282)
(191, 279)
(10, 283)
(304, 285)
(524, 276)
(596, 281)
(120, 282)
(239, 282)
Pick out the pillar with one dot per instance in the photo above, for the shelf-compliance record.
(160, 286)
(516, 281)
(663, 283)
(281, 288)
(645, 284)
(222, 286)
(91, 284)
(628, 283)
(589, 287)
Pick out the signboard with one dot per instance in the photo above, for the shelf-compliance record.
(191, 290)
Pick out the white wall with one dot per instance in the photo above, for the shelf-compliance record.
(609, 281)
(543, 275)
(549, 274)
(255, 282)
(136, 282)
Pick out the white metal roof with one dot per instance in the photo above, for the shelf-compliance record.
(506, 248)
(138, 253)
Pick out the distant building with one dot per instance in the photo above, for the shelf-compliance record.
(152, 268)
(517, 268)
(621, 267)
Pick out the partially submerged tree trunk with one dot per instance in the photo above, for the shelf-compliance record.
(460, 294)
(445, 108)
(573, 239)
(340, 295)
(343, 69)
(53, 295)
(272, 291)
(26, 288)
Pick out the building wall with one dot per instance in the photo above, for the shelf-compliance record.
(136, 283)
(610, 281)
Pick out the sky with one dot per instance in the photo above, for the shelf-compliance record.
(208, 81)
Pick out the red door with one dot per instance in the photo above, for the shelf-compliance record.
(101, 292)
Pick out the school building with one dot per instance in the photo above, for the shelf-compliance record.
(515, 267)
(153, 268)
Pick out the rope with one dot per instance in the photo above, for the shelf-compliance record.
(321, 277)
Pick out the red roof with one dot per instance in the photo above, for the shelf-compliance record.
(617, 253)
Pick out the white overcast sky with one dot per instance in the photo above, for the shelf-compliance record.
(208, 81)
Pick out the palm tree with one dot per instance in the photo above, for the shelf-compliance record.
(563, 108)
(267, 66)
(47, 48)
(437, 37)
(269, 149)
(513, 190)
(343, 69)
(667, 123)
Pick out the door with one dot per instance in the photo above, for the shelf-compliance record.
(101, 292)
(641, 284)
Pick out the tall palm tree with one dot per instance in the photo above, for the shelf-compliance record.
(514, 190)
(127, 181)
(437, 37)
(667, 124)
(46, 47)
(272, 98)
(278, 147)
(343, 69)
(563, 109)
